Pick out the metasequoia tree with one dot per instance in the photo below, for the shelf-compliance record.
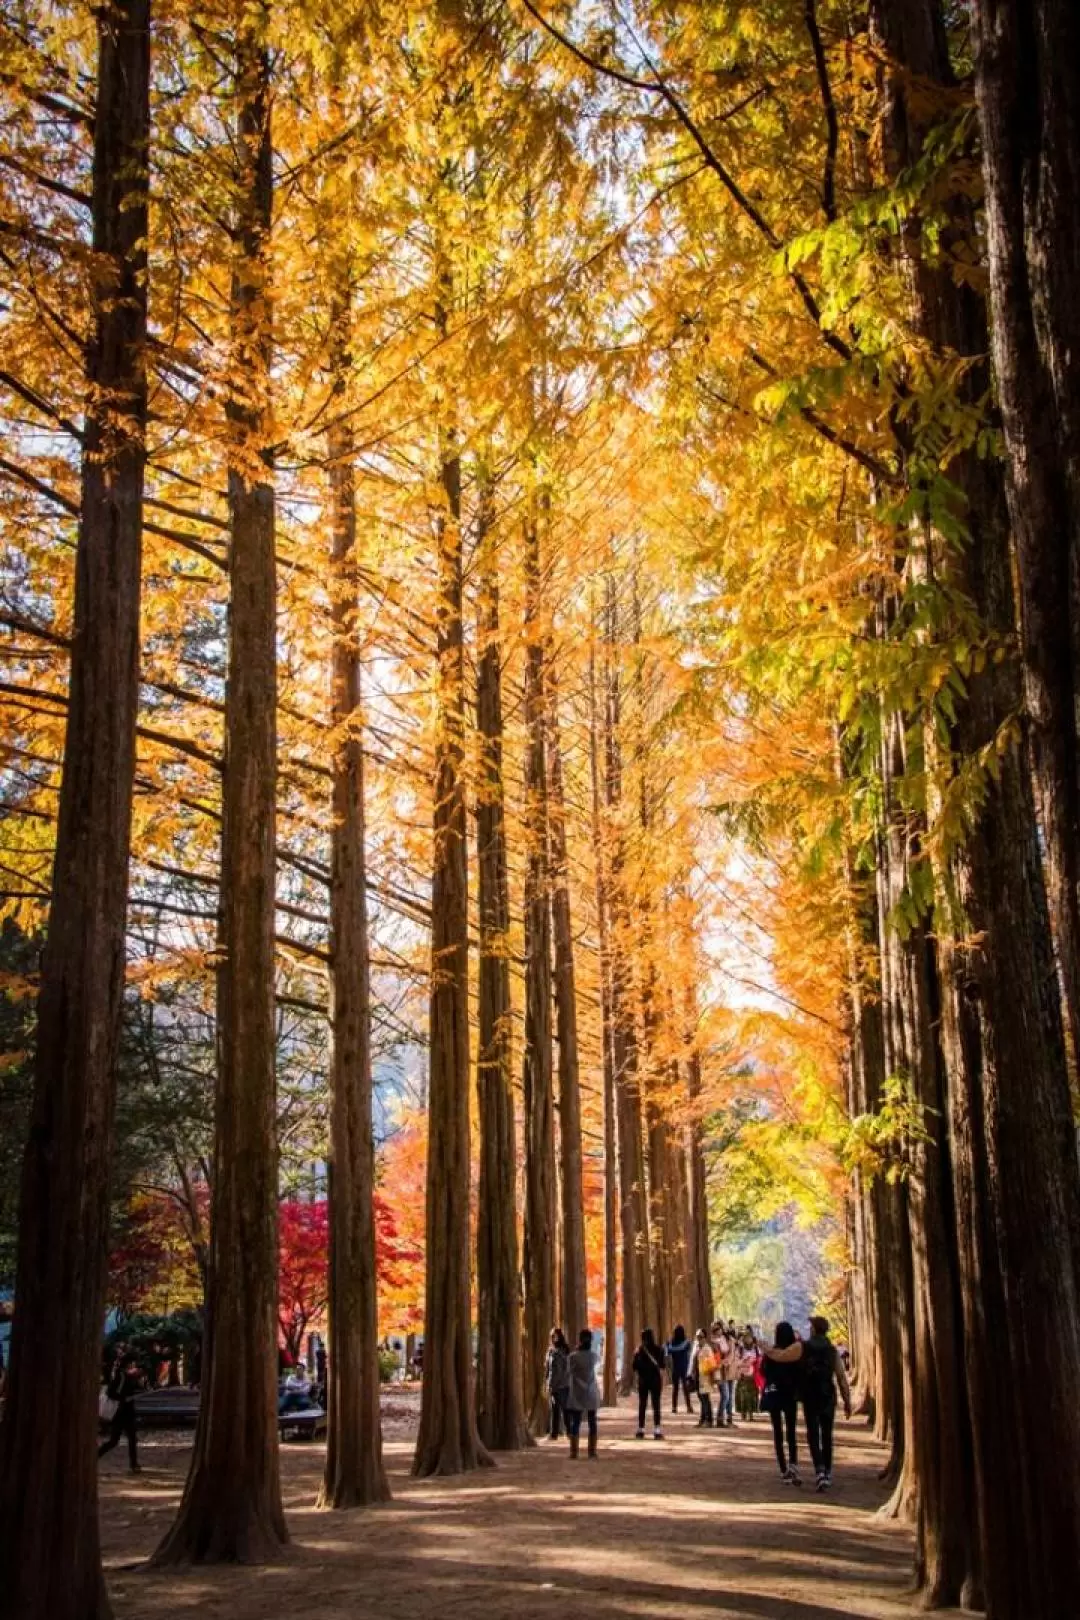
(354, 1469)
(231, 1509)
(573, 1297)
(1027, 80)
(500, 1412)
(540, 1253)
(49, 1547)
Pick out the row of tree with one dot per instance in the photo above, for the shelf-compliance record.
(461, 337)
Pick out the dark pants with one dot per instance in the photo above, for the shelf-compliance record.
(647, 1393)
(682, 1383)
(820, 1416)
(557, 1414)
(573, 1422)
(781, 1419)
(122, 1422)
(706, 1407)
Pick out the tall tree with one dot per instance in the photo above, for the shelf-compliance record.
(500, 1413)
(50, 1563)
(1027, 80)
(541, 1227)
(574, 1300)
(355, 1475)
(448, 1442)
(231, 1509)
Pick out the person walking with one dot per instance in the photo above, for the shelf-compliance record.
(780, 1398)
(702, 1369)
(746, 1395)
(727, 1361)
(678, 1349)
(582, 1393)
(557, 1381)
(123, 1385)
(822, 1373)
(649, 1368)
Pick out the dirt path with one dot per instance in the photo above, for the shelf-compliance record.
(699, 1524)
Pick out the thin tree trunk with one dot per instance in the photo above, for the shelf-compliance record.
(633, 1206)
(231, 1510)
(574, 1295)
(448, 1441)
(701, 1300)
(354, 1474)
(500, 1412)
(50, 1561)
(541, 1222)
(607, 1036)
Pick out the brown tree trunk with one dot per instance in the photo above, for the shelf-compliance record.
(354, 1474)
(633, 1205)
(448, 1442)
(607, 1036)
(1027, 79)
(574, 1295)
(499, 1409)
(231, 1510)
(50, 1561)
(1015, 1182)
(701, 1300)
(541, 1223)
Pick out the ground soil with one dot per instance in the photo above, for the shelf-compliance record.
(697, 1524)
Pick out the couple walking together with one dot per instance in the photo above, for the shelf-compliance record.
(573, 1393)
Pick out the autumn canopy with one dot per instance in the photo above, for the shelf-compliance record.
(539, 778)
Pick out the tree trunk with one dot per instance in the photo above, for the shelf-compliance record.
(50, 1561)
(231, 1510)
(701, 1300)
(500, 1412)
(354, 1474)
(1027, 80)
(633, 1206)
(541, 1224)
(607, 1036)
(448, 1442)
(574, 1294)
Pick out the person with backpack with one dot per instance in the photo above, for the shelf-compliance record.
(582, 1393)
(822, 1371)
(557, 1381)
(125, 1381)
(649, 1370)
(702, 1368)
(678, 1350)
(780, 1398)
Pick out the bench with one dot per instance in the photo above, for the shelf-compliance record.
(170, 1408)
(304, 1424)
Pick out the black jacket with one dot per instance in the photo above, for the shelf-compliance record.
(649, 1367)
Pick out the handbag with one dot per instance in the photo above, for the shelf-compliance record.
(106, 1406)
(770, 1399)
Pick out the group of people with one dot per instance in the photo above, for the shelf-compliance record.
(725, 1364)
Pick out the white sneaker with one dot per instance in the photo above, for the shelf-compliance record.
(794, 1477)
(640, 1435)
(822, 1483)
(658, 1434)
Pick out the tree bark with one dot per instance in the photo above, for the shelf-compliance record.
(50, 1561)
(500, 1411)
(354, 1474)
(1015, 1182)
(231, 1509)
(541, 1222)
(1027, 81)
(701, 1300)
(633, 1207)
(574, 1293)
(448, 1441)
(609, 1389)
